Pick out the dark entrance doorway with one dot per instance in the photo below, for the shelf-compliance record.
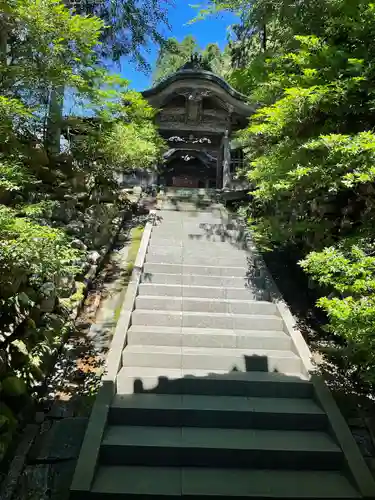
(184, 181)
(189, 172)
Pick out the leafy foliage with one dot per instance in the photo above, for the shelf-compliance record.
(350, 274)
(56, 207)
(130, 26)
(310, 149)
(173, 54)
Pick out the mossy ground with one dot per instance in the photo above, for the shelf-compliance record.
(135, 241)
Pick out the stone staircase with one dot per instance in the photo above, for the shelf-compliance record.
(213, 398)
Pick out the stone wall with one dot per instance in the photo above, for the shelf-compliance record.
(29, 353)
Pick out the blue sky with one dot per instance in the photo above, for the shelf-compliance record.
(212, 30)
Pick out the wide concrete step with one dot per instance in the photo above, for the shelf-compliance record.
(183, 229)
(195, 198)
(215, 447)
(203, 222)
(165, 256)
(199, 304)
(134, 380)
(203, 320)
(234, 256)
(222, 250)
(212, 248)
(191, 239)
(191, 207)
(199, 203)
(192, 256)
(196, 280)
(216, 411)
(244, 360)
(191, 482)
(197, 218)
(205, 219)
(198, 221)
(215, 217)
(183, 193)
(151, 268)
(208, 292)
(207, 232)
(205, 337)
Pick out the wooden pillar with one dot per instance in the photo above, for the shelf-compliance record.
(219, 167)
(226, 160)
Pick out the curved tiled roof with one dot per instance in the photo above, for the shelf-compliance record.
(194, 74)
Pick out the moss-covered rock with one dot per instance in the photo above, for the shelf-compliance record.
(13, 386)
(5, 440)
(7, 413)
(8, 425)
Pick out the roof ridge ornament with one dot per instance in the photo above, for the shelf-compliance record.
(197, 62)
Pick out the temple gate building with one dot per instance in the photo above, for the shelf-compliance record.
(199, 112)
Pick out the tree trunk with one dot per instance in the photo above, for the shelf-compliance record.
(55, 111)
(3, 38)
(264, 38)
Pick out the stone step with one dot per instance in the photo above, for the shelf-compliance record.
(177, 233)
(220, 249)
(229, 448)
(192, 207)
(194, 280)
(215, 217)
(207, 224)
(205, 337)
(213, 226)
(208, 292)
(185, 231)
(134, 380)
(195, 205)
(216, 411)
(184, 192)
(191, 482)
(203, 196)
(200, 358)
(151, 268)
(192, 257)
(165, 256)
(186, 238)
(202, 320)
(199, 304)
(198, 221)
(195, 198)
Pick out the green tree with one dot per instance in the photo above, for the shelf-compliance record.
(175, 54)
(130, 27)
(48, 48)
(55, 208)
(219, 61)
(310, 151)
